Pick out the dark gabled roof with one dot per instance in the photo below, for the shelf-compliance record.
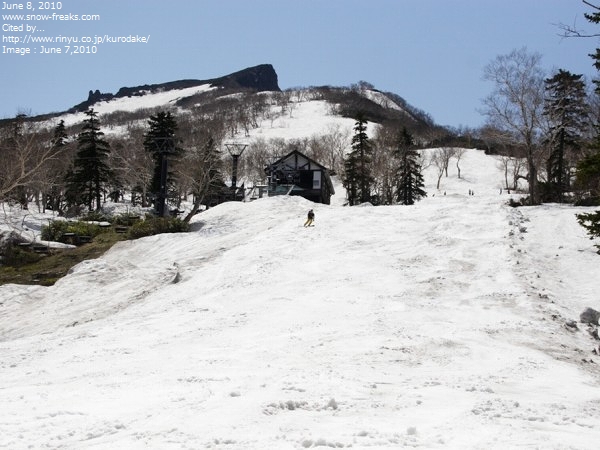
(283, 158)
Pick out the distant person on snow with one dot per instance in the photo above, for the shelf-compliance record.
(310, 219)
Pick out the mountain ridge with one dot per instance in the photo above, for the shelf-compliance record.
(214, 95)
(262, 77)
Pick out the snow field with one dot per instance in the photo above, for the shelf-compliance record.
(381, 327)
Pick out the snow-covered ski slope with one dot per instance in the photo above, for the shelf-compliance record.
(439, 325)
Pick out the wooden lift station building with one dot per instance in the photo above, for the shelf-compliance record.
(297, 174)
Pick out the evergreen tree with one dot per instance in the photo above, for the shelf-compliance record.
(591, 221)
(409, 177)
(567, 111)
(350, 179)
(595, 18)
(59, 140)
(56, 175)
(90, 169)
(160, 142)
(358, 179)
(588, 177)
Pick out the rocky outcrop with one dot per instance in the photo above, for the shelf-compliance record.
(590, 316)
(259, 78)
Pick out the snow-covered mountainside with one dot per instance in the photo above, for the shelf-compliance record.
(294, 114)
(440, 325)
(300, 118)
(165, 99)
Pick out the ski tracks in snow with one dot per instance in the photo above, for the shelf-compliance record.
(377, 328)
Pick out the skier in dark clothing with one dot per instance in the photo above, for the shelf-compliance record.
(310, 219)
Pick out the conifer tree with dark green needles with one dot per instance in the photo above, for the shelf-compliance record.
(91, 172)
(409, 178)
(567, 111)
(358, 179)
(161, 142)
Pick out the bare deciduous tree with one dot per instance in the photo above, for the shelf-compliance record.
(201, 172)
(516, 104)
(260, 154)
(24, 159)
(442, 156)
(512, 169)
(133, 165)
(458, 154)
(335, 142)
(384, 163)
(573, 30)
(438, 160)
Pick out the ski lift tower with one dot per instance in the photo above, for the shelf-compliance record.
(235, 149)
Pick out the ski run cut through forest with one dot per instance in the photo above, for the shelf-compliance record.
(452, 323)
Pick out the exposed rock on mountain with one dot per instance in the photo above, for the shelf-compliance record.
(259, 78)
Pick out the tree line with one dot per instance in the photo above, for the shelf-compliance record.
(70, 174)
(70, 169)
(552, 122)
(543, 126)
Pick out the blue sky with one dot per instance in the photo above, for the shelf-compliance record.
(431, 52)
